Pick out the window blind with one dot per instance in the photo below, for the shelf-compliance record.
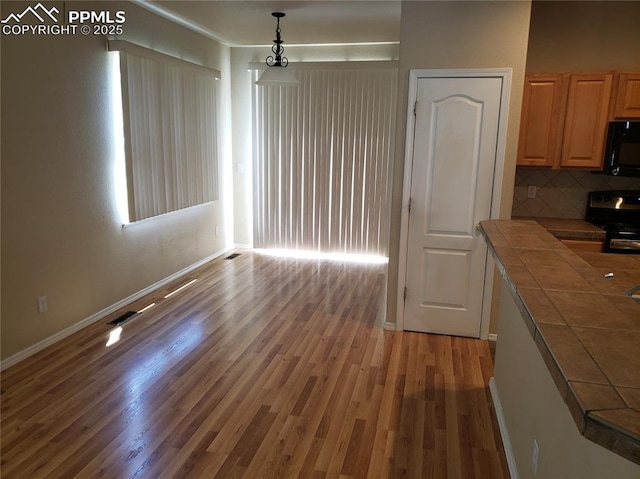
(169, 109)
(322, 153)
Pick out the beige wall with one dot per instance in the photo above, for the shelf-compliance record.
(458, 35)
(62, 235)
(584, 36)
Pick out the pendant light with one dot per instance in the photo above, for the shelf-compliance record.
(277, 74)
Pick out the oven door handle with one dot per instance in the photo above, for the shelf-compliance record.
(624, 244)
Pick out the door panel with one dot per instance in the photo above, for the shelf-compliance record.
(446, 274)
(452, 147)
(586, 120)
(454, 154)
(543, 106)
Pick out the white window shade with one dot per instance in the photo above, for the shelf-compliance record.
(322, 153)
(170, 130)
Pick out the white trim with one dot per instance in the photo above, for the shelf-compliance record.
(506, 442)
(496, 196)
(128, 47)
(60, 335)
(493, 337)
(406, 191)
(164, 215)
(388, 326)
(487, 294)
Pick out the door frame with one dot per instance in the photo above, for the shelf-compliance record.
(496, 195)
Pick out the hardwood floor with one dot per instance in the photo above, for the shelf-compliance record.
(264, 367)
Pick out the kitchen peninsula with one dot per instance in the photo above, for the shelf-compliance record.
(567, 368)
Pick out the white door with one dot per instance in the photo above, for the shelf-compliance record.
(455, 143)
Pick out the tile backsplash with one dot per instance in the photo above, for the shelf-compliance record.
(561, 193)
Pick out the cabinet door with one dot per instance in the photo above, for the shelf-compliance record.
(628, 96)
(541, 122)
(586, 120)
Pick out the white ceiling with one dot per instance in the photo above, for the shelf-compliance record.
(240, 22)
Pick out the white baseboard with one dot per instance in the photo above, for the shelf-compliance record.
(506, 442)
(60, 335)
(388, 326)
(242, 246)
(492, 337)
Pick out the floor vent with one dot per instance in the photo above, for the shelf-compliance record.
(233, 255)
(123, 318)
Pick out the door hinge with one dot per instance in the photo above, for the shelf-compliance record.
(415, 108)
(405, 293)
(409, 205)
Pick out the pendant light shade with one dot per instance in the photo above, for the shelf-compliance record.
(276, 73)
(277, 76)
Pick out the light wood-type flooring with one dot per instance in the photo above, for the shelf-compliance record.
(264, 367)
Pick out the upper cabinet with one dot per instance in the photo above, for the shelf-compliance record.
(627, 104)
(543, 105)
(565, 116)
(586, 120)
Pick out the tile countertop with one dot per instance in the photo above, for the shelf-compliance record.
(570, 228)
(586, 328)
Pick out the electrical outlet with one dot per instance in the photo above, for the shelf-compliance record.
(532, 191)
(217, 230)
(42, 304)
(534, 457)
(240, 167)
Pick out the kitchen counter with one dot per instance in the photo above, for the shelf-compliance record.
(584, 326)
(569, 228)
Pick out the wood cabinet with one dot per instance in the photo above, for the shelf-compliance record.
(627, 102)
(564, 120)
(543, 105)
(586, 120)
(594, 246)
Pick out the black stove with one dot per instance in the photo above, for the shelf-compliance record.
(618, 213)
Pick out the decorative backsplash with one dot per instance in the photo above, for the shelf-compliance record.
(561, 193)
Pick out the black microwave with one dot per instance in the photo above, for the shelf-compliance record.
(622, 150)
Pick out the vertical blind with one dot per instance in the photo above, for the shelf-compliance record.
(322, 154)
(169, 110)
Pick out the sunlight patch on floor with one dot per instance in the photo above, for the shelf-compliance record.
(349, 258)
